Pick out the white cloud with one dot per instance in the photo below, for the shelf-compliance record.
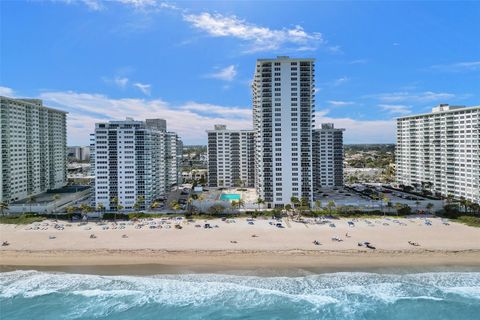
(145, 88)
(361, 131)
(149, 4)
(257, 38)
(358, 61)
(341, 81)
(7, 92)
(337, 103)
(189, 120)
(420, 97)
(245, 113)
(226, 74)
(121, 81)
(139, 3)
(95, 5)
(98, 5)
(458, 67)
(396, 108)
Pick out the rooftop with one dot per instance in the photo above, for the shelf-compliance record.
(32, 102)
(441, 108)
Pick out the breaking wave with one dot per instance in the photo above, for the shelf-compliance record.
(441, 295)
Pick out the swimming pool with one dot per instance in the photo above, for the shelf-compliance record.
(230, 196)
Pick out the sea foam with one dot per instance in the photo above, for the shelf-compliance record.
(352, 295)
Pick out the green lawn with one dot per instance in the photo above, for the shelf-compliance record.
(20, 219)
(469, 221)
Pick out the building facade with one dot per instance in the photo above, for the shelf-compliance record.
(173, 151)
(327, 157)
(173, 157)
(439, 151)
(79, 153)
(230, 157)
(130, 163)
(33, 147)
(283, 120)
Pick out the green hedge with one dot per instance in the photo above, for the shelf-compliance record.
(21, 219)
(469, 220)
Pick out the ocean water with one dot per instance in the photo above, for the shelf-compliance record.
(47, 295)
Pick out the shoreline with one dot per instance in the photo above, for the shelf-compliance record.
(287, 262)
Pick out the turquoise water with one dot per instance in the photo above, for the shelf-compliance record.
(41, 295)
(230, 196)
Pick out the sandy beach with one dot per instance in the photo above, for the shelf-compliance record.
(242, 244)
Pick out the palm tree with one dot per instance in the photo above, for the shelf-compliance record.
(476, 208)
(429, 207)
(154, 205)
(318, 204)
(119, 209)
(449, 198)
(417, 203)
(100, 207)
(385, 201)
(139, 203)
(175, 205)
(259, 202)
(30, 200)
(3, 207)
(398, 206)
(85, 210)
(330, 206)
(465, 204)
(234, 204)
(55, 197)
(389, 206)
(116, 203)
(295, 202)
(241, 203)
(71, 210)
(288, 208)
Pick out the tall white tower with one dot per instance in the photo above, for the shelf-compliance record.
(283, 120)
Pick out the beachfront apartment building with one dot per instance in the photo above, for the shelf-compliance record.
(439, 151)
(33, 147)
(230, 157)
(327, 160)
(283, 120)
(173, 151)
(130, 160)
(173, 158)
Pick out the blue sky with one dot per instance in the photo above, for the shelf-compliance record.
(192, 62)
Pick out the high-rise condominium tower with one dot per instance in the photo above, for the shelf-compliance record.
(173, 151)
(33, 147)
(230, 157)
(440, 151)
(283, 120)
(130, 162)
(327, 157)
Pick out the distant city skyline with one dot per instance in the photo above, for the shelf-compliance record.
(191, 62)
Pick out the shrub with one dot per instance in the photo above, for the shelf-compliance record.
(216, 209)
